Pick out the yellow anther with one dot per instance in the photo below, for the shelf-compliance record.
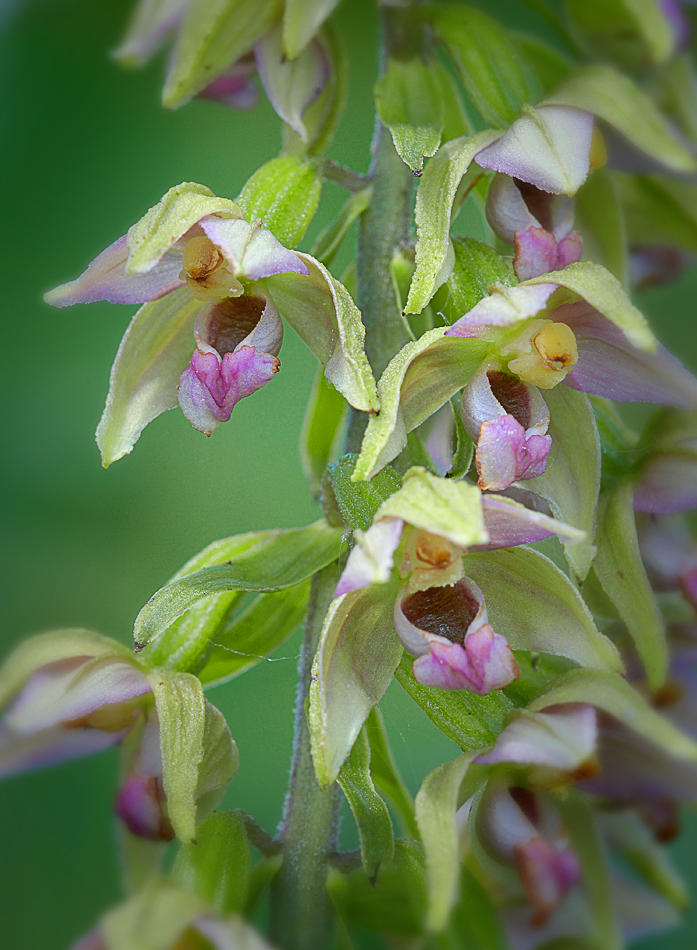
(201, 258)
(598, 155)
(556, 344)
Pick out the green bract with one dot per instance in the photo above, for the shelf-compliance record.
(284, 193)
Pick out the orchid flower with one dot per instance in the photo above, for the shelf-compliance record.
(73, 693)
(197, 251)
(440, 614)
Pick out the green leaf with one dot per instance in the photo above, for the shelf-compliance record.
(659, 210)
(153, 919)
(434, 206)
(301, 20)
(471, 721)
(615, 696)
(408, 102)
(331, 238)
(212, 36)
(417, 381)
(51, 647)
(369, 810)
(595, 870)
(571, 481)
(153, 354)
(218, 864)
(284, 193)
(252, 635)
(260, 560)
(395, 904)
(597, 286)
(173, 215)
(353, 667)
(385, 774)
(477, 267)
(450, 509)
(620, 570)
(181, 712)
(490, 66)
(359, 501)
(436, 804)
(323, 314)
(615, 99)
(322, 429)
(536, 607)
(599, 217)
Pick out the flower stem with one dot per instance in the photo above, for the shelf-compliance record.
(301, 911)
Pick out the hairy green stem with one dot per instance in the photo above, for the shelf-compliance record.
(301, 911)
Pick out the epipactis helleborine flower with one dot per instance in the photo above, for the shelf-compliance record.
(195, 242)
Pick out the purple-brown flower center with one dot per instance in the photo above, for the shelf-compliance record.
(444, 611)
(231, 320)
(513, 395)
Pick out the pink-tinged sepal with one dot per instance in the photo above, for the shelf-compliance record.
(372, 558)
(679, 24)
(251, 250)
(548, 147)
(106, 279)
(236, 87)
(547, 871)
(447, 630)
(140, 800)
(211, 386)
(504, 307)
(513, 205)
(538, 252)
(510, 523)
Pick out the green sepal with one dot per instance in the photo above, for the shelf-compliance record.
(471, 721)
(463, 454)
(323, 425)
(620, 570)
(615, 696)
(385, 774)
(169, 219)
(396, 904)
(322, 117)
(598, 287)
(153, 919)
(323, 314)
(153, 354)
(477, 267)
(599, 216)
(218, 864)
(619, 450)
(677, 90)
(436, 804)
(548, 65)
(408, 102)
(586, 843)
(331, 238)
(615, 99)
(369, 810)
(536, 607)
(301, 20)
(456, 121)
(571, 481)
(260, 560)
(212, 36)
(497, 79)
(433, 212)
(476, 921)
(140, 860)
(417, 381)
(448, 508)
(284, 193)
(634, 33)
(359, 501)
(659, 210)
(354, 664)
(254, 633)
(199, 757)
(45, 648)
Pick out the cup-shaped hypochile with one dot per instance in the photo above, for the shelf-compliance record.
(513, 205)
(250, 320)
(439, 615)
(140, 800)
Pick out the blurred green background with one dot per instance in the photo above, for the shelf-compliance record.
(85, 150)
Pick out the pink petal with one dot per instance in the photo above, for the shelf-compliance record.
(22, 752)
(503, 308)
(537, 252)
(235, 88)
(371, 560)
(485, 663)
(667, 484)
(547, 873)
(210, 387)
(608, 365)
(252, 251)
(549, 148)
(569, 250)
(563, 739)
(106, 279)
(509, 524)
(139, 806)
(505, 454)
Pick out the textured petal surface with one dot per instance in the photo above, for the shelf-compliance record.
(252, 251)
(563, 738)
(503, 308)
(370, 561)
